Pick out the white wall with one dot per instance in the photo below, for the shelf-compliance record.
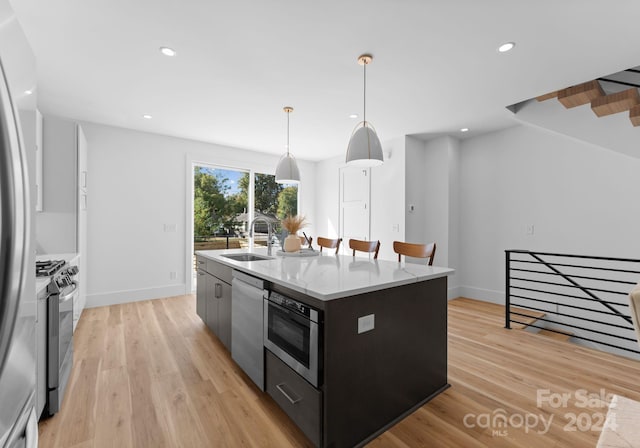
(138, 183)
(327, 198)
(387, 198)
(415, 188)
(432, 189)
(614, 132)
(580, 198)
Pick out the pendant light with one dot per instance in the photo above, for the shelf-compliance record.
(364, 146)
(287, 170)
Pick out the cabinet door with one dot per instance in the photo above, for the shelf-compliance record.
(297, 398)
(224, 315)
(81, 224)
(201, 295)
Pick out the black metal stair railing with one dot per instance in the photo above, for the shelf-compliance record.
(588, 294)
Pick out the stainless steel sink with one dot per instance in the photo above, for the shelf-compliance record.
(246, 257)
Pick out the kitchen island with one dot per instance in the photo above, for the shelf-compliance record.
(383, 340)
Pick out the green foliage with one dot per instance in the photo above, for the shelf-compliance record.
(213, 212)
(288, 202)
(266, 194)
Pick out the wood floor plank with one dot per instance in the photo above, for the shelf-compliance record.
(114, 411)
(150, 374)
(177, 412)
(79, 423)
(145, 425)
(158, 350)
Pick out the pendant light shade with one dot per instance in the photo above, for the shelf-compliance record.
(364, 146)
(287, 171)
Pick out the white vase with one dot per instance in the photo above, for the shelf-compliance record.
(292, 243)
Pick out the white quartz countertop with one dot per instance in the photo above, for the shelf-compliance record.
(327, 276)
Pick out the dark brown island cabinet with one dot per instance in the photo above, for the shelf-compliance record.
(368, 380)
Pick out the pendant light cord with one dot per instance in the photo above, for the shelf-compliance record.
(288, 113)
(364, 113)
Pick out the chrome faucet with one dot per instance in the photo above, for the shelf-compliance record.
(269, 231)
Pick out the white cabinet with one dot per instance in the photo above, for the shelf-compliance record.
(61, 227)
(81, 234)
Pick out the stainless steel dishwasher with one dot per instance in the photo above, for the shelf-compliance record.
(247, 335)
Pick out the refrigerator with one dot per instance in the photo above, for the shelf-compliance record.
(18, 422)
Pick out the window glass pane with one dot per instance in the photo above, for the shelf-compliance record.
(219, 208)
(273, 202)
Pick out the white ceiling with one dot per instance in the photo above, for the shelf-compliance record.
(435, 68)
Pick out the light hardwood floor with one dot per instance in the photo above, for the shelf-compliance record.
(149, 374)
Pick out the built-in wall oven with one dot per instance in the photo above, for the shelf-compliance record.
(292, 332)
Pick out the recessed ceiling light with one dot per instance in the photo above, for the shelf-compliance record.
(353, 116)
(167, 51)
(147, 116)
(506, 47)
(28, 92)
(464, 130)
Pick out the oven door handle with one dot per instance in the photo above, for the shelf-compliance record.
(64, 298)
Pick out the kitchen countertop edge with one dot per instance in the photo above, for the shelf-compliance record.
(412, 273)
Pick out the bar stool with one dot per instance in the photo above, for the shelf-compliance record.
(365, 246)
(415, 250)
(304, 241)
(329, 243)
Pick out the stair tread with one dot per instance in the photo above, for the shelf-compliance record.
(615, 102)
(531, 317)
(560, 335)
(581, 94)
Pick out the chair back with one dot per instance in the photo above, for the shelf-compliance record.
(415, 250)
(329, 243)
(304, 241)
(365, 246)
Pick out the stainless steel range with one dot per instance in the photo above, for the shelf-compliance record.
(61, 293)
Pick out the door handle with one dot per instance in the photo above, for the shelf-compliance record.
(31, 433)
(218, 292)
(286, 395)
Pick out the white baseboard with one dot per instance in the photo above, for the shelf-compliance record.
(134, 295)
(486, 295)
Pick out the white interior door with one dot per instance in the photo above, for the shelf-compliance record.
(355, 197)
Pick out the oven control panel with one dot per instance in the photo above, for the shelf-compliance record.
(294, 305)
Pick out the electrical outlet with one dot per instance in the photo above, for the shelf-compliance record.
(173, 275)
(530, 229)
(395, 228)
(170, 227)
(366, 323)
(412, 208)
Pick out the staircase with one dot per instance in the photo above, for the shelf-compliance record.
(603, 104)
(529, 321)
(576, 298)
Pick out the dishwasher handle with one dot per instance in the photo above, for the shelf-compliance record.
(249, 279)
